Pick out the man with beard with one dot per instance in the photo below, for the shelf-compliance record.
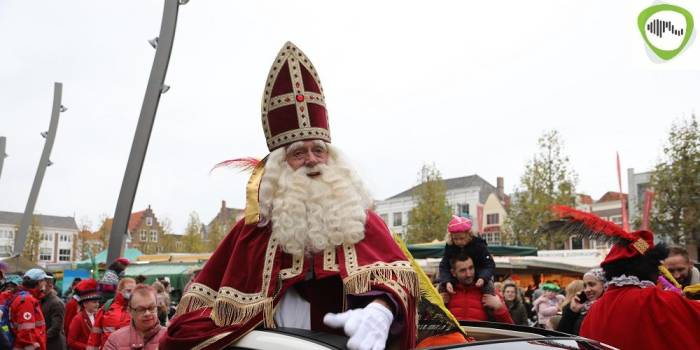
(469, 302)
(309, 253)
(679, 265)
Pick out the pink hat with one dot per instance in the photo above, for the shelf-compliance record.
(459, 224)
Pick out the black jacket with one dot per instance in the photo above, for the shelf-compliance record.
(570, 321)
(518, 312)
(478, 251)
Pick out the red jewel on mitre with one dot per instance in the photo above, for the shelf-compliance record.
(293, 105)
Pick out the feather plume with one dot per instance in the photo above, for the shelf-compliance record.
(586, 225)
(243, 164)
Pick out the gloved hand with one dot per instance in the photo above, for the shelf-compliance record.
(367, 328)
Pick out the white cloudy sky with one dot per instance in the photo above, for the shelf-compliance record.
(467, 85)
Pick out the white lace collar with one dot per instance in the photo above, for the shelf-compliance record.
(624, 280)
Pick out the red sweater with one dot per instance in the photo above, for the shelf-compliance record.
(662, 320)
(466, 305)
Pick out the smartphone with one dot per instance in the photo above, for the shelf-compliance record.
(582, 297)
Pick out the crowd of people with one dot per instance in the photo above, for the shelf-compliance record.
(629, 281)
(112, 313)
(311, 254)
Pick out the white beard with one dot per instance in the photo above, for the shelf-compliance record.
(312, 214)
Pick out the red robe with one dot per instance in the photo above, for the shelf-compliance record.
(248, 273)
(643, 318)
(72, 309)
(79, 331)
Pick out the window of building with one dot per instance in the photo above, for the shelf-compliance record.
(463, 209)
(64, 255)
(492, 238)
(5, 249)
(45, 254)
(409, 217)
(178, 245)
(46, 237)
(576, 242)
(154, 235)
(143, 236)
(492, 219)
(385, 218)
(617, 219)
(149, 221)
(397, 219)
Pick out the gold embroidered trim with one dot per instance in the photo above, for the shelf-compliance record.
(361, 278)
(252, 206)
(198, 296)
(300, 134)
(227, 311)
(290, 99)
(329, 260)
(235, 307)
(393, 285)
(294, 58)
(211, 340)
(296, 268)
(641, 245)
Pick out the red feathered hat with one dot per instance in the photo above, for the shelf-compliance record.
(293, 106)
(87, 290)
(627, 244)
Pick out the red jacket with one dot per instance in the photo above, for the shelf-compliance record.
(27, 320)
(662, 320)
(79, 331)
(72, 309)
(108, 322)
(466, 305)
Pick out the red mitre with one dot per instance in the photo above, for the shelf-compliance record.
(293, 106)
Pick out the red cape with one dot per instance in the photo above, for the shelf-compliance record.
(643, 318)
(248, 273)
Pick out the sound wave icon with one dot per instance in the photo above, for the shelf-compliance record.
(659, 27)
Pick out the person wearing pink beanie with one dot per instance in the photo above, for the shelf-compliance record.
(460, 240)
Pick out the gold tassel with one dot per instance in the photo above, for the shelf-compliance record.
(226, 312)
(361, 282)
(191, 302)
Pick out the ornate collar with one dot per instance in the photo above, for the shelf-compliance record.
(624, 280)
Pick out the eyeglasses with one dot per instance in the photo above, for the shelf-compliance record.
(303, 153)
(143, 310)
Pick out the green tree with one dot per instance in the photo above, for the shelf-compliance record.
(547, 181)
(169, 239)
(34, 237)
(676, 182)
(216, 234)
(104, 230)
(429, 218)
(192, 241)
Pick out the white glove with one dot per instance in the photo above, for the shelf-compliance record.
(367, 328)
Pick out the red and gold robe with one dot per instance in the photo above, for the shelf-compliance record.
(241, 284)
(631, 317)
